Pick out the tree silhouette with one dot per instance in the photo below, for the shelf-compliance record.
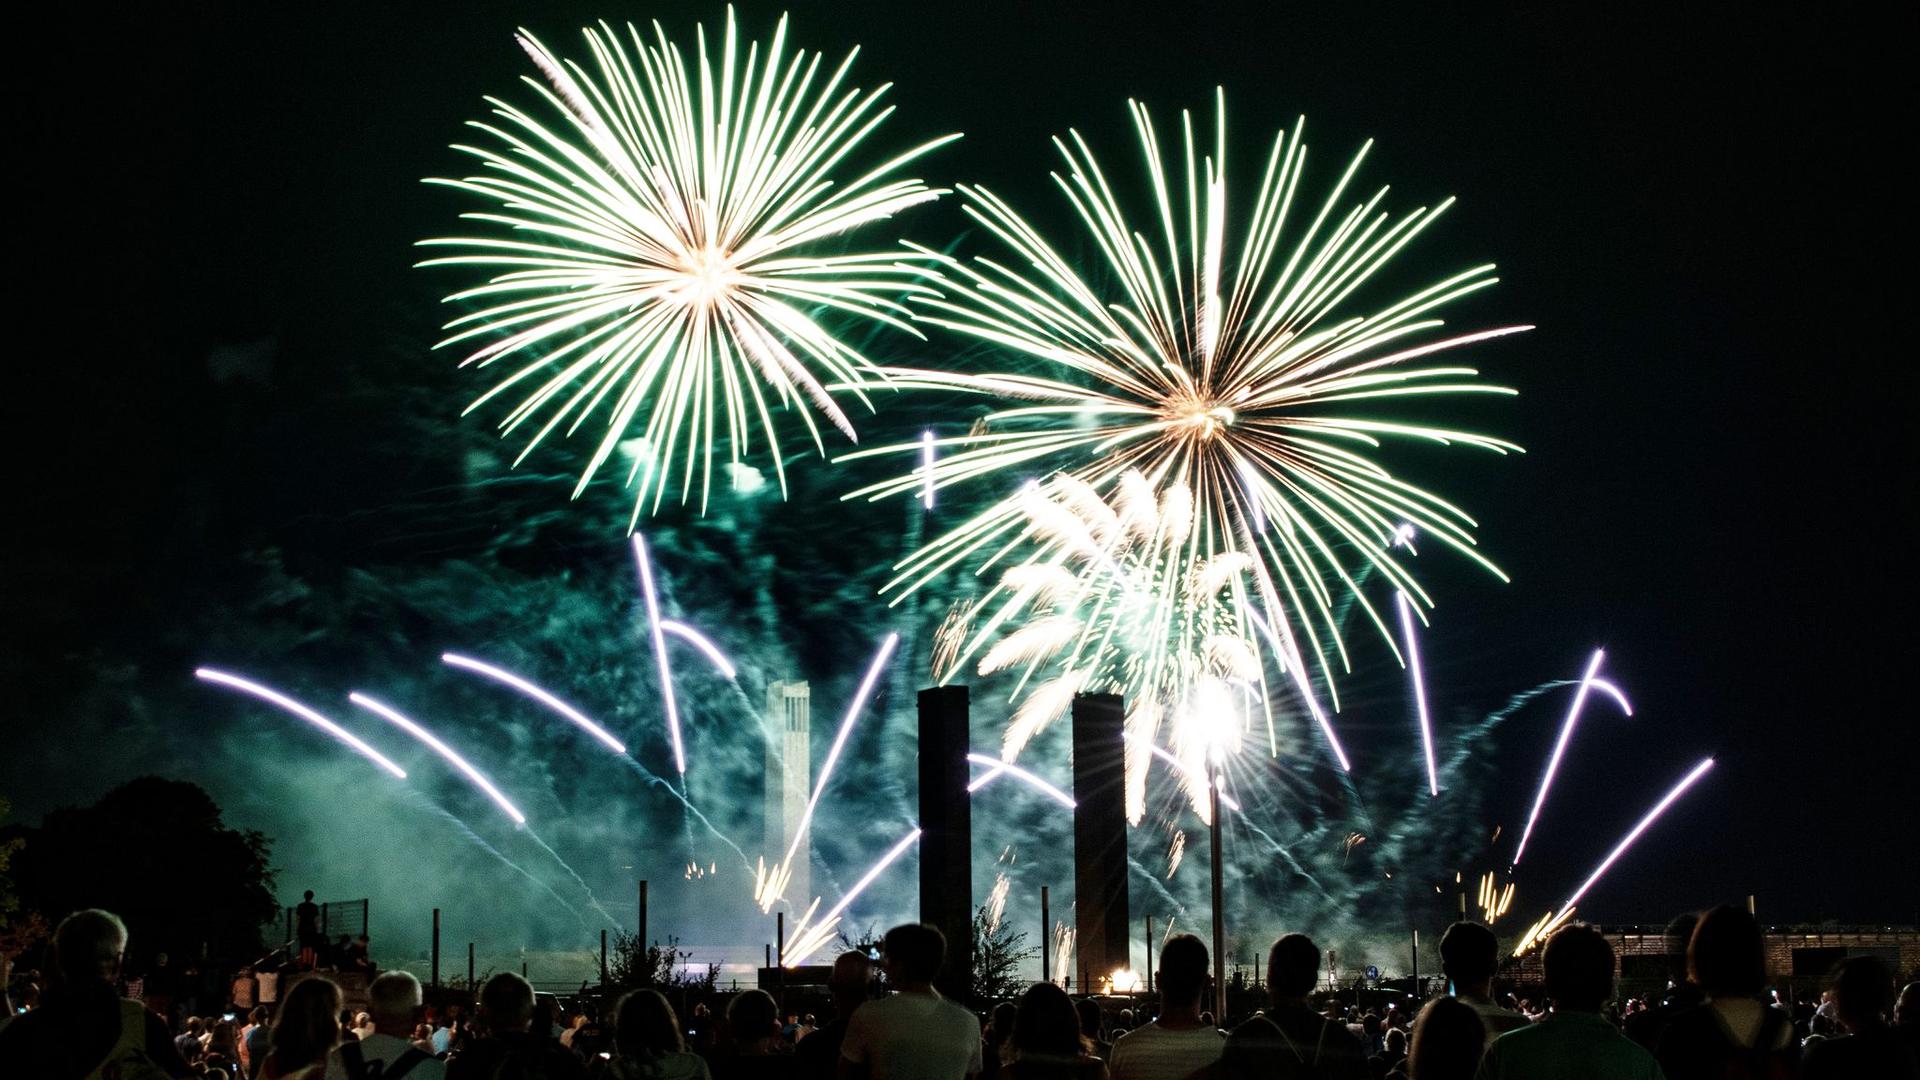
(156, 853)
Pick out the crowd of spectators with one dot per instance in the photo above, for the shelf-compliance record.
(1717, 1021)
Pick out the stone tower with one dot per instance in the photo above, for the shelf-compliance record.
(789, 777)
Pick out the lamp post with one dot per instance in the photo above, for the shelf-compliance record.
(1219, 910)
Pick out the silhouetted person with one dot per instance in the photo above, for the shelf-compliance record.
(648, 1044)
(1176, 1045)
(306, 930)
(999, 1032)
(1093, 1025)
(913, 1033)
(1449, 1037)
(83, 1025)
(755, 1049)
(306, 1028)
(1733, 1034)
(1862, 995)
(817, 1057)
(1469, 956)
(1289, 1039)
(393, 1004)
(1647, 1026)
(510, 1047)
(1049, 1039)
(1573, 1042)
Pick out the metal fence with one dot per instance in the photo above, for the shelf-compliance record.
(337, 917)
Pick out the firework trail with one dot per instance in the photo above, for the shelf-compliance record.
(1652, 815)
(1560, 748)
(771, 885)
(996, 768)
(813, 935)
(704, 644)
(304, 712)
(508, 678)
(410, 727)
(422, 802)
(660, 653)
(577, 879)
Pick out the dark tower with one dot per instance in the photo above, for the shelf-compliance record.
(946, 830)
(1099, 837)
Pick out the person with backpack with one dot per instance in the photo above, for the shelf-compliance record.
(389, 1053)
(84, 1028)
(511, 1049)
(1289, 1039)
(1733, 1035)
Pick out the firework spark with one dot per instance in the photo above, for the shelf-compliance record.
(996, 767)
(656, 632)
(654, 231)
(1587, 682)
(508, 678)
(1652, 815)
(1228, 372)
(407, 725)
(304, 712)
(771, 885)
(1419, 691)
(809, 936)
(702, 642)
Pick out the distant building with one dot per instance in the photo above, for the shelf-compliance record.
(789, 779)
(1798, 957)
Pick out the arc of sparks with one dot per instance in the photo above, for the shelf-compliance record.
(1560, 746)
(1652, 815)
(702, 642)
(660, 651)
(995, 767)
(410, 727)
(776, 882)
(304, 712)
(508, 678)
(1419, 691)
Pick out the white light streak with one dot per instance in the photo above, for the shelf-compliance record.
(1652, 815)
(578, 718)
(660, 651)
(1559, 750)
(1419, 691)
(274, 697)
(996, 767)
(703, 643)
(442, 749)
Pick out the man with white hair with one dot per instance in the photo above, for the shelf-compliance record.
(394, 1003)
(84, 1028)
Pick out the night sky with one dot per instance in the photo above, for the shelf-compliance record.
(1697, 210)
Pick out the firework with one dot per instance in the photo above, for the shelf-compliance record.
(810, 936)
(1419, 691)
(407, 725)
(1227, 367)
(705, 644)
(1652, 815)
(1587, 682)
(508, 678)
(996, 767)
(656, 631)
(656, 231)
(311, 716)
(771, 885)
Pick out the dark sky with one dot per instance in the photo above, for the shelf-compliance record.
(1697, 209)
